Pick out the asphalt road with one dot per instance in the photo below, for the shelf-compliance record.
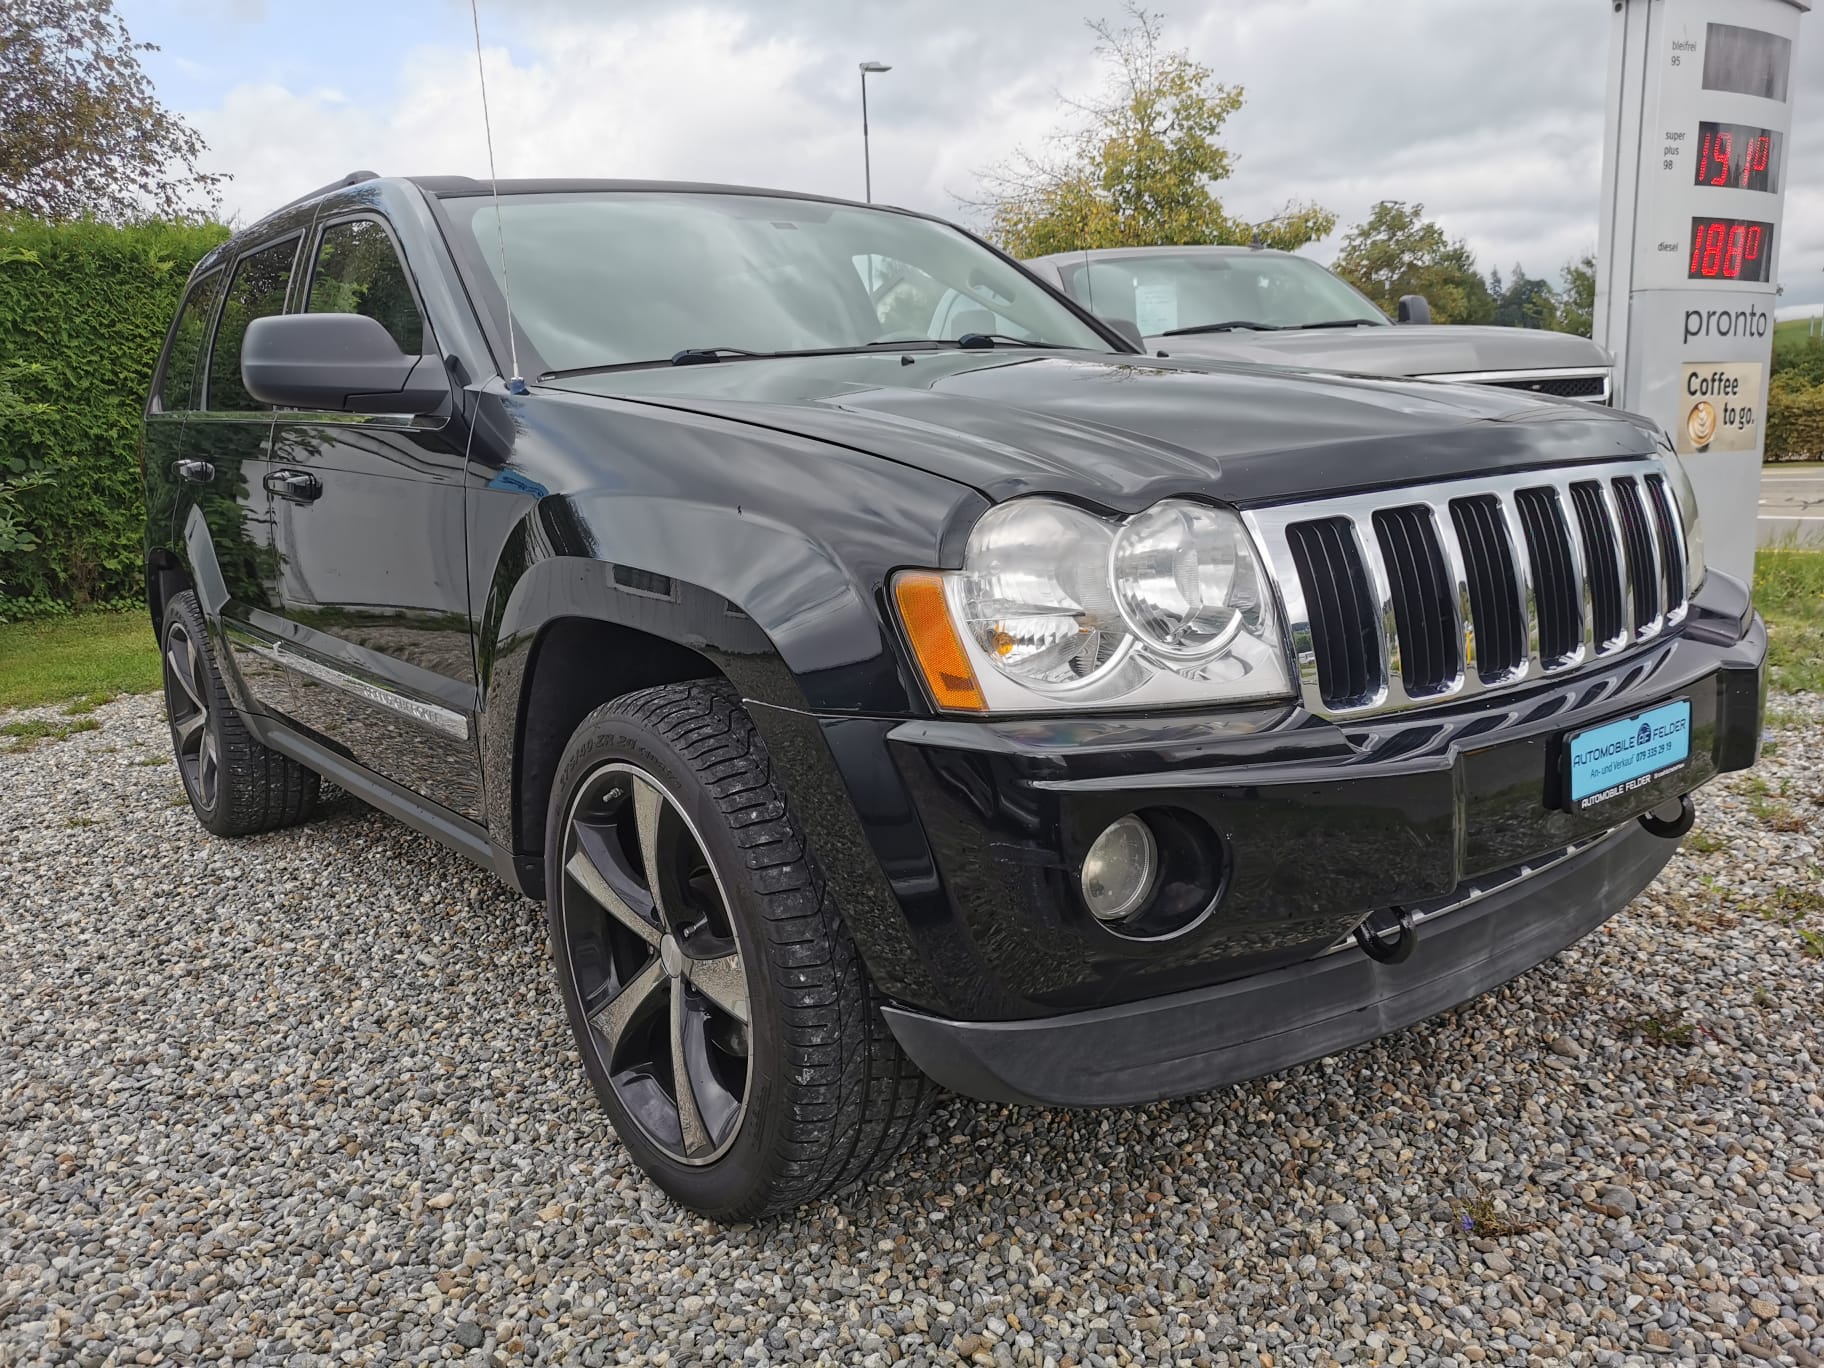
(1792, 506)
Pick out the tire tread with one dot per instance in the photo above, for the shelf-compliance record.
(855, 1098)
(258, 789)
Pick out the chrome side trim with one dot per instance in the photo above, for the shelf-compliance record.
(432, 716)
(1270, 526)
(1517, 378)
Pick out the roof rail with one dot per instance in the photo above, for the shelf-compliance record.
(352, 178)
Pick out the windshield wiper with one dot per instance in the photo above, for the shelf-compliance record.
(980, 341)
(1229, 326)
(702, 356)
(1336, 323)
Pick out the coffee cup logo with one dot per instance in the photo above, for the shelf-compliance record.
(1700, 423)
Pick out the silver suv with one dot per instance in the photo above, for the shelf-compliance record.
(1252, 304)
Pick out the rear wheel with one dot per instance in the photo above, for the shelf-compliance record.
(236, 786)
(722, 1012)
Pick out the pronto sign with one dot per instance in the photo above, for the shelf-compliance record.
(1698, 159)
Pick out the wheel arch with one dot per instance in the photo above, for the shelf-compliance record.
(166, 578)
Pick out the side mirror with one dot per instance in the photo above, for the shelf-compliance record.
(1129, 330)
(338, 361)
(1415, 309)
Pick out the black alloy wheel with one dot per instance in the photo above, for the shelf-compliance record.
(723, 1013)
(656, 964)
(236, 785)
(199, 751)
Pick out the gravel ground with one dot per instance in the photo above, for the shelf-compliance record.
(309, 1099)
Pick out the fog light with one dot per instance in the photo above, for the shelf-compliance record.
(1119, 870)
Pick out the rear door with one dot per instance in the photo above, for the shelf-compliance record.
(177, 390)
(223, 517)
(372, 577)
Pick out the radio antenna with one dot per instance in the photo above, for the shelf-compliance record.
(517, 383)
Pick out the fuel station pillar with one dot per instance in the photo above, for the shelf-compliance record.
(1694, 178)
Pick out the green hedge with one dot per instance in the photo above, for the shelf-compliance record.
(83, 311)
(1795, 420)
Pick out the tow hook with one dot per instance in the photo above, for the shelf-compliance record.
(1670, 820)
(1371, 935)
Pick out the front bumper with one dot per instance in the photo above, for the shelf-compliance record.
(953, 846)
(1193, 1041)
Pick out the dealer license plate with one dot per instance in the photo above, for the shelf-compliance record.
(1618, 757)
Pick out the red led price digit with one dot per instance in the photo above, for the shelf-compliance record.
(1721, 155)
(1756, 160)
(1753, 251)
(1732, 259)
(1714, 237)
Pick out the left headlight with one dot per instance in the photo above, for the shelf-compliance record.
(1057, 608)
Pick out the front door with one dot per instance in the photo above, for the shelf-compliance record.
(372, 577)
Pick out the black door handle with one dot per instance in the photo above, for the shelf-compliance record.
(197, 472)
(293, 484)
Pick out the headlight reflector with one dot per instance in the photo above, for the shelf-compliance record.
(1055, 606)
(1036, 593)
(1183, 575)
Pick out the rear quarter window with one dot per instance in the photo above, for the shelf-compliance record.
(177, 385)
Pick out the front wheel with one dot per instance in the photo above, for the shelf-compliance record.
(723, 1014)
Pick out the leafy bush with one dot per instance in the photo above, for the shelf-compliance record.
(83, 311)
(1795, 419)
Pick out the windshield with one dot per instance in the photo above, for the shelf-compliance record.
(1165, 292)
(604, 278)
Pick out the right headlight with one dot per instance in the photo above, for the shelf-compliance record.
(1057, 608)
(1687, 514)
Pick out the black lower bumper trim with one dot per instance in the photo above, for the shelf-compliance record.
(1192, 1042)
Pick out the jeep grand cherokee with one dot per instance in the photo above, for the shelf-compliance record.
(877, 705)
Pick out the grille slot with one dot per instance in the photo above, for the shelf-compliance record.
(1344, 640)
(1637, 545)
(1431, 643)
(1488, 560)
(1598, 534)
(1671, 541)
(1555, 583)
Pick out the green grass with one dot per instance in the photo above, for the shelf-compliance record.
(82, 661)
(1660, 1028)
(1789, 591)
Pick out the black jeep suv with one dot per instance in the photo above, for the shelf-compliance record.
(877, 700)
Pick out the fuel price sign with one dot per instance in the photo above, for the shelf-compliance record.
(1699, 125)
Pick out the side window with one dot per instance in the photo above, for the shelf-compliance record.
(177, 390)
(256, 290)
(358, 271)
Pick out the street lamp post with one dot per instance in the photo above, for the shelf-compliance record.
(867, 169)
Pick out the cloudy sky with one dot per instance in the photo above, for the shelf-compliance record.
(1487, 111)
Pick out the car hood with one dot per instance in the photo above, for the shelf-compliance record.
(1123, 431)
(1438, 349)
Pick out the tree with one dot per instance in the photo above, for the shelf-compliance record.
(1577, 296)
(1138, 171)
(1398, 251)
(1525, 302)
(81, 132)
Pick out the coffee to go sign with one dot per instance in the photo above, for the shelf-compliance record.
(1721, 401)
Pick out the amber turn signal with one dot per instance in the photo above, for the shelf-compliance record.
(919, 595)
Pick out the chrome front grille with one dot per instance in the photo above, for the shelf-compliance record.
(1435, 593)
